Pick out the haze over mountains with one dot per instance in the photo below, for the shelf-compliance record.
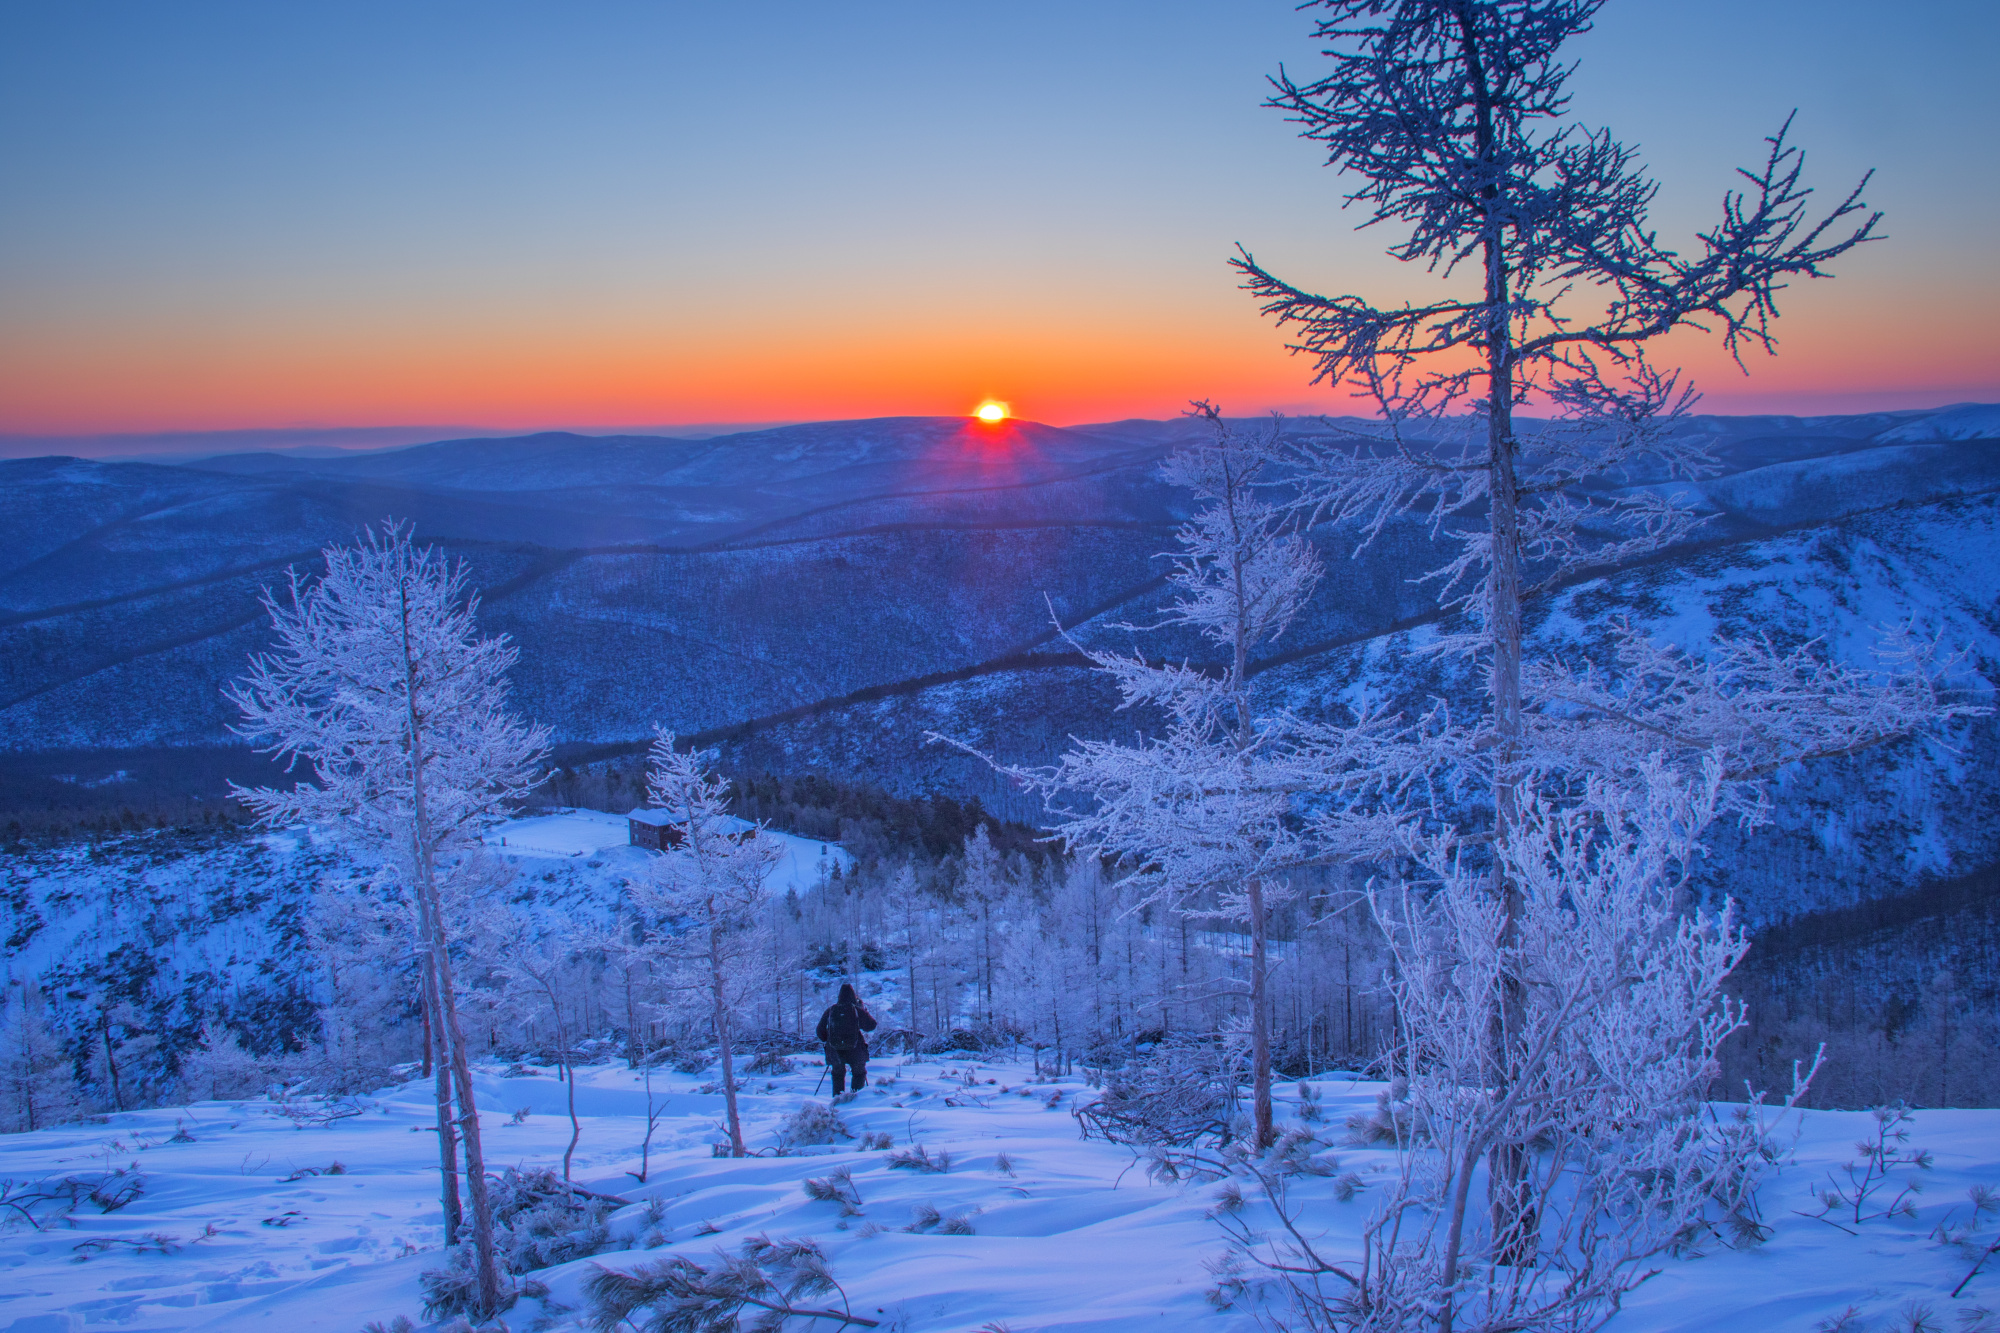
(821, 595)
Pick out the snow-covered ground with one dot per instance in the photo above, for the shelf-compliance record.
(568, 833)
(1066, 1234)
(594, 833)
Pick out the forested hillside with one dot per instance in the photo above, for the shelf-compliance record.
(817, 601)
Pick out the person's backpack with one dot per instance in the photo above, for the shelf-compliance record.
(843, 1027)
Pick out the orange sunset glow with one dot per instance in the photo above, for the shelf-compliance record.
(306, 225)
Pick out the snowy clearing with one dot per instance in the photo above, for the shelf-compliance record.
(595, 833)
(1066, 1234)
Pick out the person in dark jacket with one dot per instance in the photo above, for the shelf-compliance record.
(840, 1029)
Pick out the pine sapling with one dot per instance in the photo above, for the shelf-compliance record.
(1967, 1237)
(1858, 1188)
(1916, 1317)
(838, 1187)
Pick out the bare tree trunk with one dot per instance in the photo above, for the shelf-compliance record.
(454, 1215)
(1454, 1244)
(986, 950)
(722, 1043)
(490, 1295)
(1516, 1228)
(631, 1023)
(569, 1070)
(452, 1037)
(653, 1113)
(1260, 1023)
(111, 1059)
(909, 974)
(1246, 735)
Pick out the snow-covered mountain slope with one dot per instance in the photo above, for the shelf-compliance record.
(244, 1222)
(863, 582)
(844, 556)
(180, 926)
(186, 927)
(1850, 829)
(1965, 421)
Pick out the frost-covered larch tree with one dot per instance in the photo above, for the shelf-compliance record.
(984, 886)
(704, 901)
(1204, 815)
(541, 967)
(1452, 117)
(381, 682)
(37, 1080)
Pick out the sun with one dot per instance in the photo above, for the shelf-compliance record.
(991, 411)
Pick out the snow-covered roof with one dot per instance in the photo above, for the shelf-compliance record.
(661, 818)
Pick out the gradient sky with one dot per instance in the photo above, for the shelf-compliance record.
(517, 215)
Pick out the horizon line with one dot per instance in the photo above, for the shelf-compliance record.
(333, 440)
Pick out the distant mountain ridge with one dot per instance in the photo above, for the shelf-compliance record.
(822, 593)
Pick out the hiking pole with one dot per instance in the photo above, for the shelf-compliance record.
(822, 1081)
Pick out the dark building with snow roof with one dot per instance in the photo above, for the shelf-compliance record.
(658, 830)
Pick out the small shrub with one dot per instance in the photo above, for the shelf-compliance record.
(539, 1221)
(454, 1288)
(1388, 1123)
(1177, 1095)
(770, 1062)
(813, 1123)
(964, 1039)
(1970, 1239)
(1296, 1153)
(920, 1158)
(766, 1279)
(1917, 1317)
(838, 1187)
